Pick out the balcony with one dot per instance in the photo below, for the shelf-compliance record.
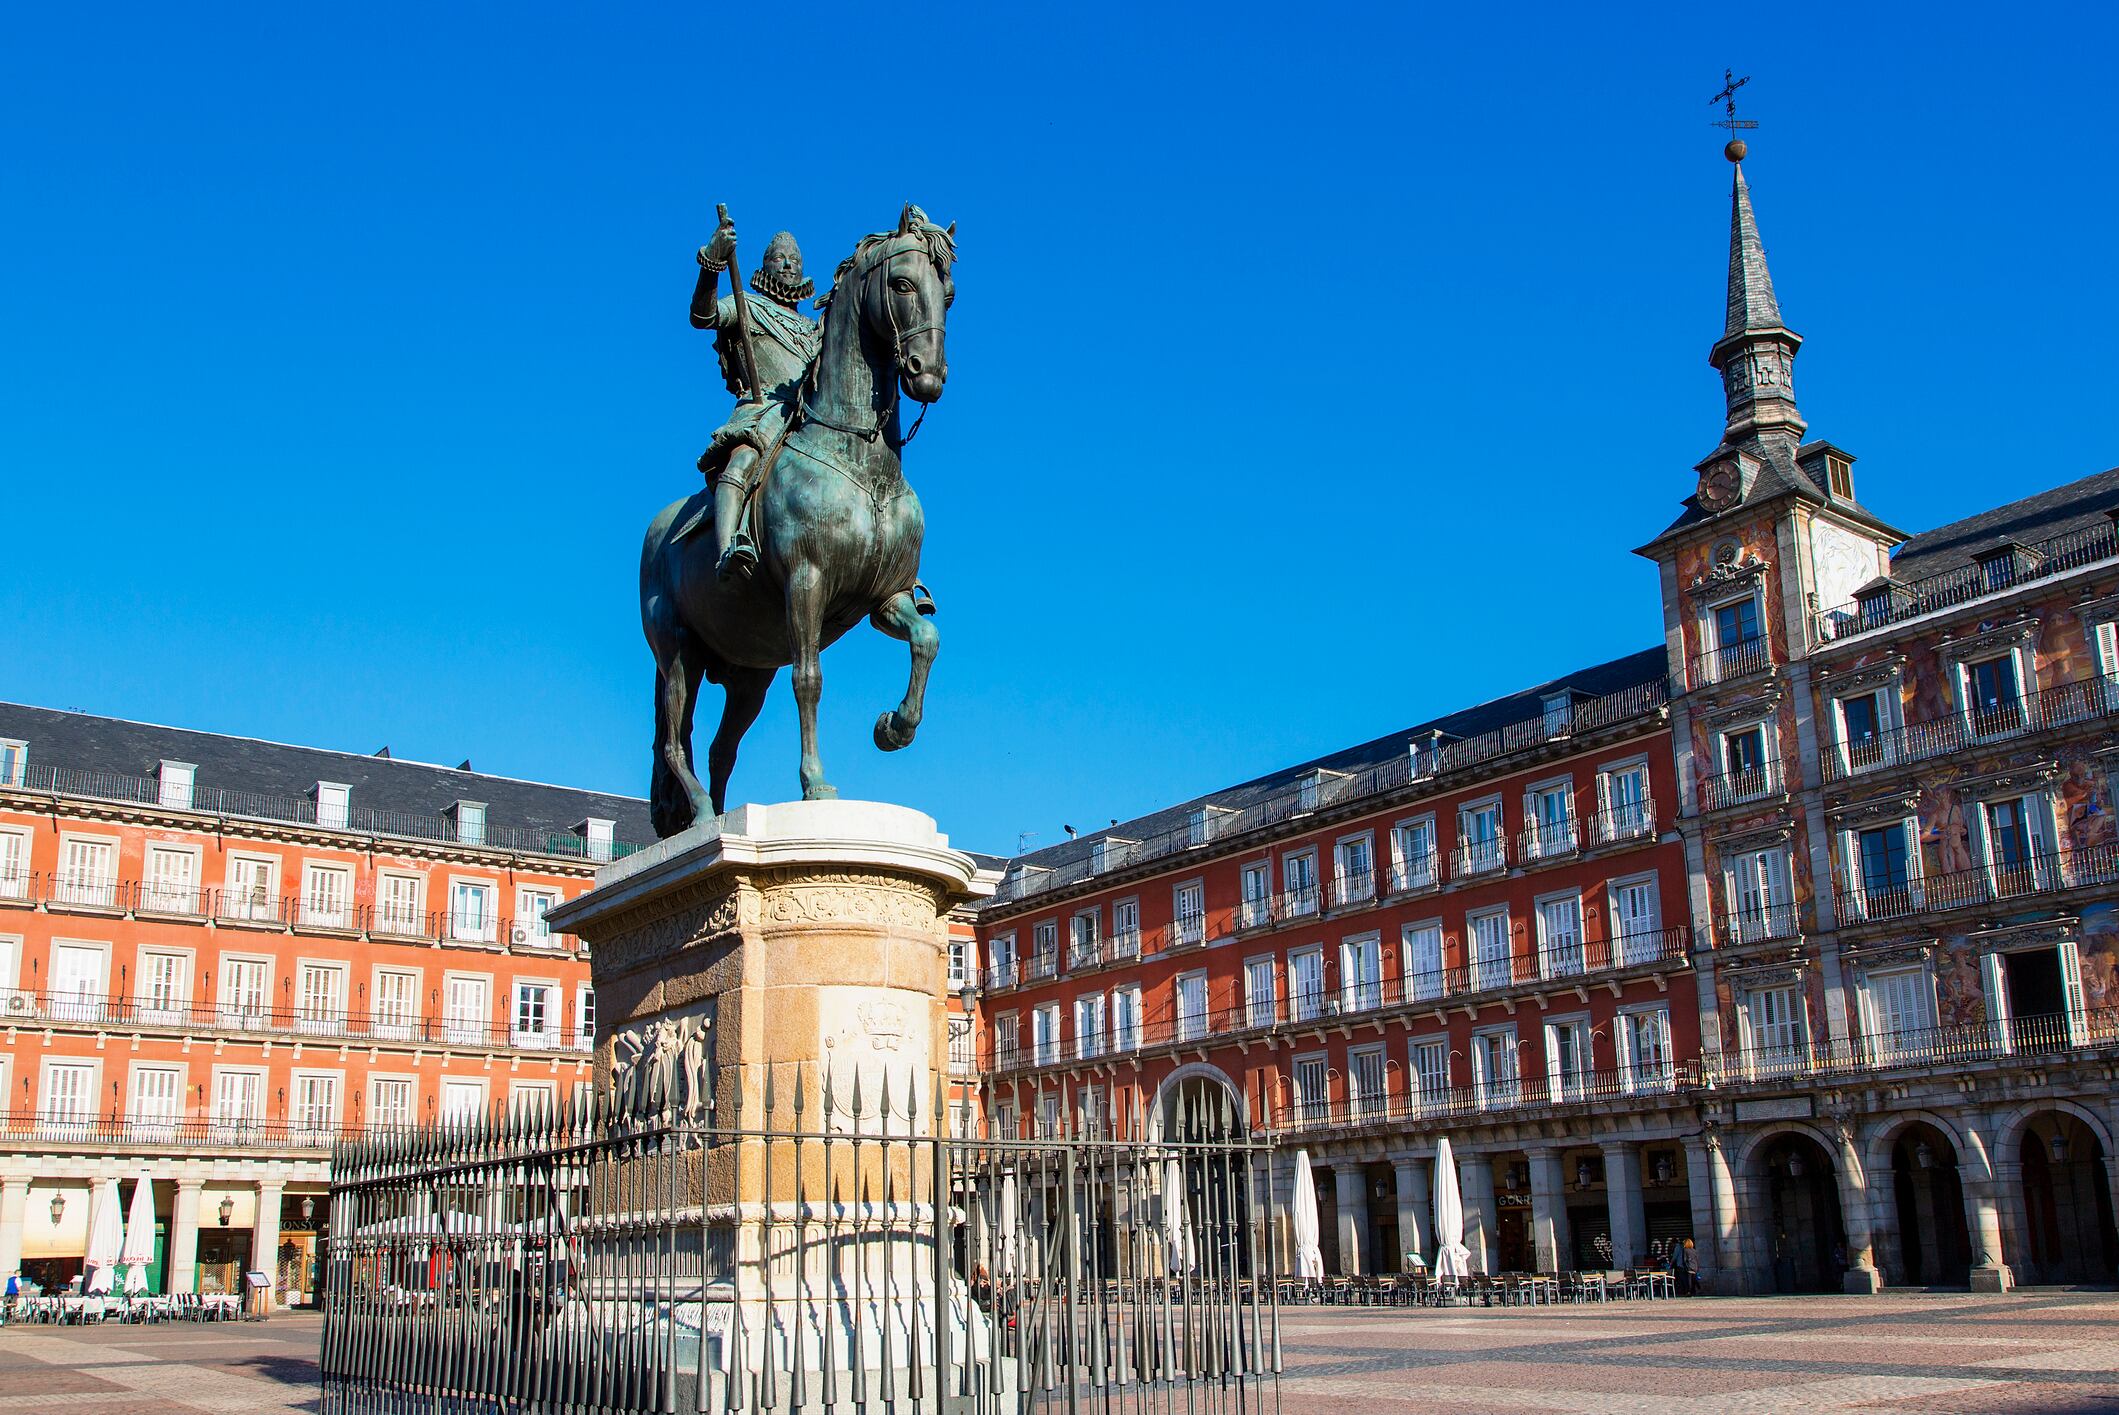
(1479, 857)
(1298, 903)
(1416, 873)
(251, 1014)
(1122, 946)
(1953, 1047)
(1547, 840)
(1429, 1102)
(1761, 924)
(1190, 931)
(2026, 877)
(1043, 966)
(1722, 665)
(1897, 602)
(77, 889)
(185, 1134)
(1734, 788)
(2073, 703)
(1084, 952)
(1616, 825)
(1352, 888)
(1001, 974)
(1254, 913)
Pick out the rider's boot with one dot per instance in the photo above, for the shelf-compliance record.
(738, 556)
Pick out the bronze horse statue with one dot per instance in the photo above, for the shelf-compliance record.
(837, 527)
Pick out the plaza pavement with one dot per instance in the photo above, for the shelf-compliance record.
(2053, 1353)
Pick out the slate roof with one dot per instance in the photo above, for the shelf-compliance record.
(2077, 506)
(419, 790)
(1752, 304)
(1600, 680)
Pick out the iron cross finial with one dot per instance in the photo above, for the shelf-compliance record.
(1734, 151)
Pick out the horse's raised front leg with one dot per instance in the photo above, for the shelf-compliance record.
(746, 689)
(805, 625)
(900, 618)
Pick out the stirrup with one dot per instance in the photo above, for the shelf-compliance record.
(922, 601)
(738, 560)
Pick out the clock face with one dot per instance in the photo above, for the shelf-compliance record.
(1719, 486)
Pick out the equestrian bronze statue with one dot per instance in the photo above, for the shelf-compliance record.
(817, 497)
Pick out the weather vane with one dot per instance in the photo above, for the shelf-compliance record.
(1734, 150)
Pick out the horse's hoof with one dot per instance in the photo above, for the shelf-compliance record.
(889, 737)
(820, 792)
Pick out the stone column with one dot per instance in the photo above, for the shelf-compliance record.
(1353, 1213)
(1714, 1210)
(1622, 1198)
(1982, 1184)
(182, 1261)
(1475, 1177)
(1861, 1275)
(265, 1233)
(1548, 1211)
(14, 1213)
(1413, 1204)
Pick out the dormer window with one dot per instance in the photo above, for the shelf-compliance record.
(1108, 854)
(1839, 476)
(1997, 569)
(1559, 712)
(598, 836)
(469, 818)
(14, 762)
(175, 779)
(334, 804)
(1873, 606)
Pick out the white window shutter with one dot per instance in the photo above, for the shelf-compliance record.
(1975, 829)
(1994, 983)
(2071, 997)
(1915, 872)
(1855, 898)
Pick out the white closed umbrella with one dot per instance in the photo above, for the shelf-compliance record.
(1004, 1245)
(1452, 1258)
(1182, 1251)
(138, 1249)
(106, 1236)
(1309, 1256)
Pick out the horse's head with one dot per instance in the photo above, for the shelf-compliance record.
(903, 290)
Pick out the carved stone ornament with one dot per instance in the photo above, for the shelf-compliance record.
(662, 1067)
(1883, 673)
(2046, 933)
(1895, 806)
(2028, 776)
(1753, 705)
(2001, 636)
(1722, 577)
(884, 901)
(702, 914)
(1765, 838)
(1768, 975)
(1899, 954)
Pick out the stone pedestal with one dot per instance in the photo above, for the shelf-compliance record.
(771, 1017)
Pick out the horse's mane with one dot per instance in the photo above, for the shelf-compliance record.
(941, 249)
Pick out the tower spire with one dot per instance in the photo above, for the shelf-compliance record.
(1756, 353)
(1752, 305)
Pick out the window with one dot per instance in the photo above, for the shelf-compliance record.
(1993, 696)
(1773, 1025)
(1549, 825)
(321, 1000)
(2104, 638)
(238, 1105)
(1002, 949)
(88, 872)
(1863, 725)
(315, 1107)
(1636, 919)
(471, 916)
(1747, 766)
(1299, 874)
(536, 1015)
(2013, 838)
(174, 784)
(1305, 984)
(253, 889)
(1313, 1089)
(1761, 896)
(1413, 854)
(1881, 867)
(1491, 965)
(1191, 1006)
(462, 1100)
(1260, 980)
(69, 1106)
(1082, 930)
(398, 905)
(1901, 1010)
(1198, 827)
(467, 1009)
(1191, 913)
(1625, 812)
(1361, 974)
(1007, 1037)
(165, 988)
(533, 1098)
(246, 993)
(1494, 1067)
(14, 864)
(157, 1101)
(1353, 871)
(1090, 1111)
(327, 897)
(1423, 961)
(1006, 1124)
(1644, 1050)
(584, 1018)
(1125, 1017)
(1479, 838)
(172, 884)
(1108, 854)
(1125, 928)
(396, 1004)
(1044, 949)
(962, 971)
(1045, 1034)
(1431, 1072)
(334, 804)
(79, 981)
(1306, 792)
(1560, 936)
(1257, 896)
(1839, 476)
(1365, 1079)
(1089, 1025)
(14, 761)
(389, 1103)
(1048, 1116)
(531, 905)
(1737, 641)
(1567, 1058)
(1559, 712)
(470, 822)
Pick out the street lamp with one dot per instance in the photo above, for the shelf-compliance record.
(2059, 1147)
(308, 1208)
(58, 1208)
(227, 1209)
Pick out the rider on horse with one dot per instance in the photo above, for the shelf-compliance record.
(784, 341)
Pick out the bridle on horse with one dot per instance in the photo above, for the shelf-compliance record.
(882, 255)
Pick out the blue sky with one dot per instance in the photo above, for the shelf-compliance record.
(1312, 372)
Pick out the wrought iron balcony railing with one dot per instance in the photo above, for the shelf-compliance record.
(1479, 857)
(1956, 1044)
(1353, 887)
(1719, 665)
(1423, 871)
(2048, 872)
(254, 1015)
(1547, 840)
(2077, 702)
(1897, 602)
(1632, 820)
(1734, 788)
(1430, 1102)
(1761, 923)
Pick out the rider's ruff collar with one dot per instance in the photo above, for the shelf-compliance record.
(787, 292)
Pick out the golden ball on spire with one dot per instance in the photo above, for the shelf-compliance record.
(1735, 150)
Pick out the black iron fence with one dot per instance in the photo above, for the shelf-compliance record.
(805, 1242)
